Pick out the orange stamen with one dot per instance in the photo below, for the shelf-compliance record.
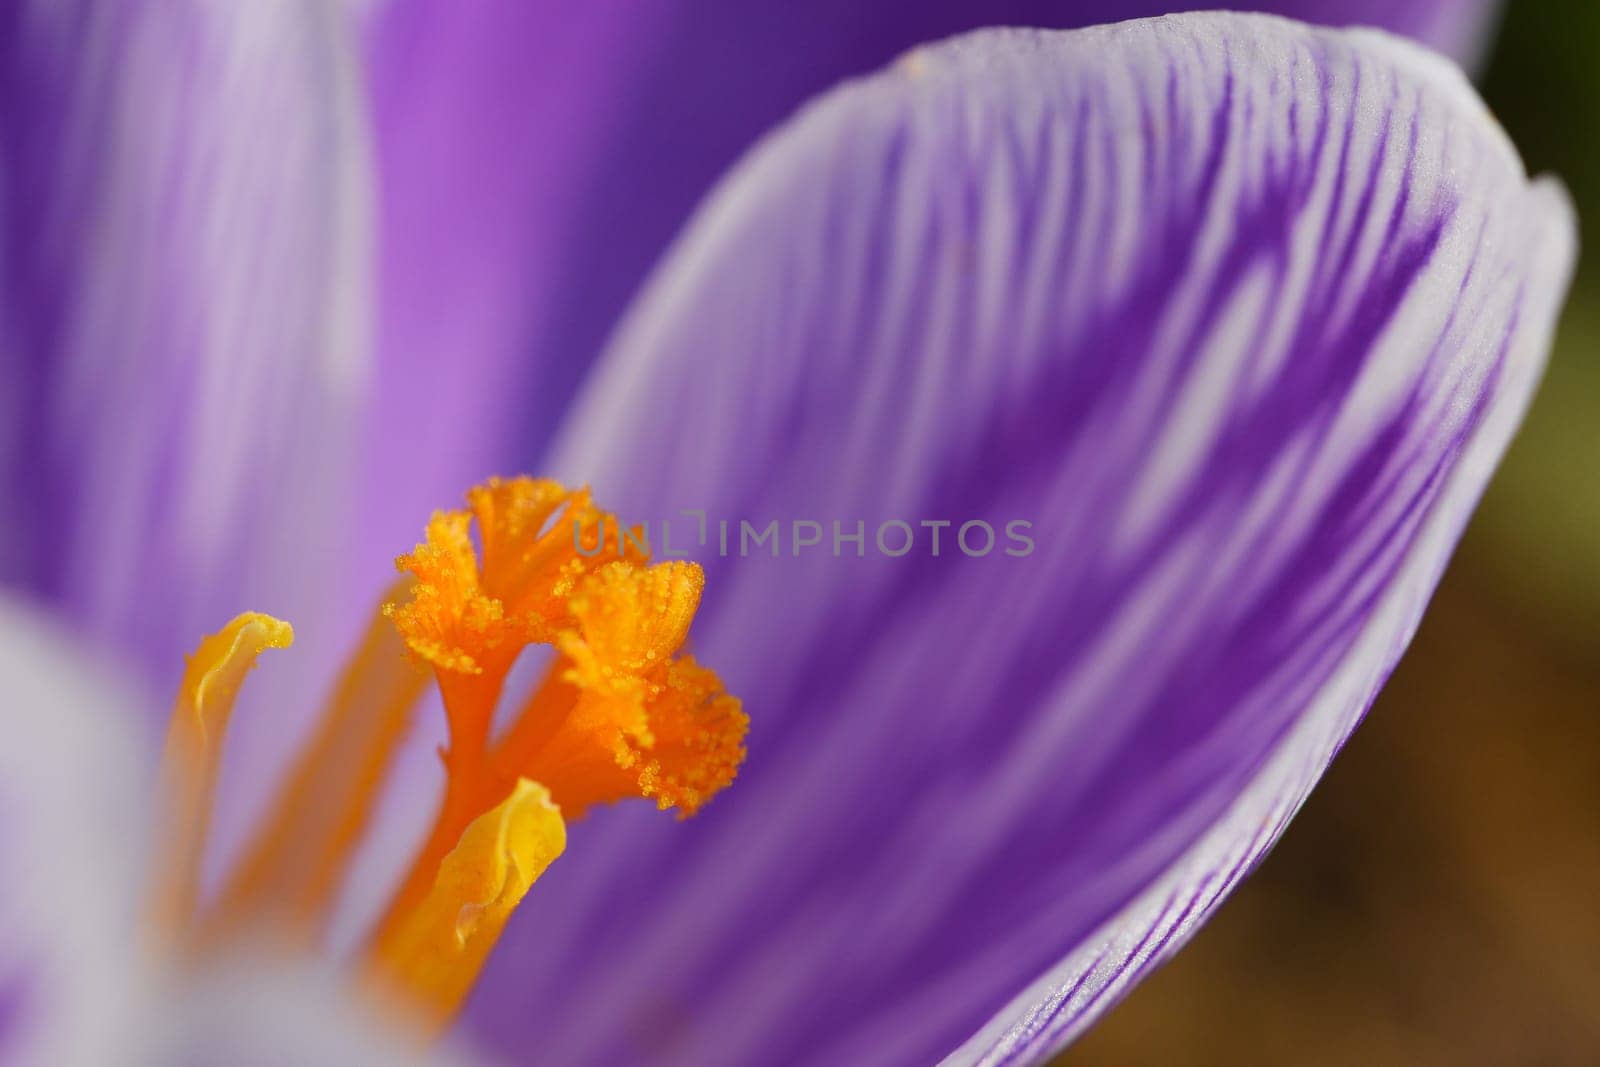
(194, 752)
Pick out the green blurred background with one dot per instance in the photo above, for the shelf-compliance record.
(1438, 899)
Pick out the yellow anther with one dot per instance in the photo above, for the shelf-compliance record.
(433, 957)
(194, 752)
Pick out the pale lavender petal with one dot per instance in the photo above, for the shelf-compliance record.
(183, 229)
(537, 157)
(271, 1012)
(71, 795)
(1239, 314)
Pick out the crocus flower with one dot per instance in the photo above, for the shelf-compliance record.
(1234, 315)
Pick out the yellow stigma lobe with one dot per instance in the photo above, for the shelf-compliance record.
(439, 948)
(194, 752)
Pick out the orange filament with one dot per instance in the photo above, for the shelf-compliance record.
(300, 855)
(194, 752)
(620, 714)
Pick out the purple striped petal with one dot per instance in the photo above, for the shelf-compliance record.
(536, 159)
(720, 74)
(183, 226)
(1239, 314)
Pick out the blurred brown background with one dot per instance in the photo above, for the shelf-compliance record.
(1438, 899)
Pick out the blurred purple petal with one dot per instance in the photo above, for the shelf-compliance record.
(184, 224)
(537, 158)
(1239, 315)
(488, 118)
(1461, 29)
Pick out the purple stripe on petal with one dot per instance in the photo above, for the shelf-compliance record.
(14, 989)
(1240, 315)
(183, 223)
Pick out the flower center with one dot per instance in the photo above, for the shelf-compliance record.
(620, 714)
